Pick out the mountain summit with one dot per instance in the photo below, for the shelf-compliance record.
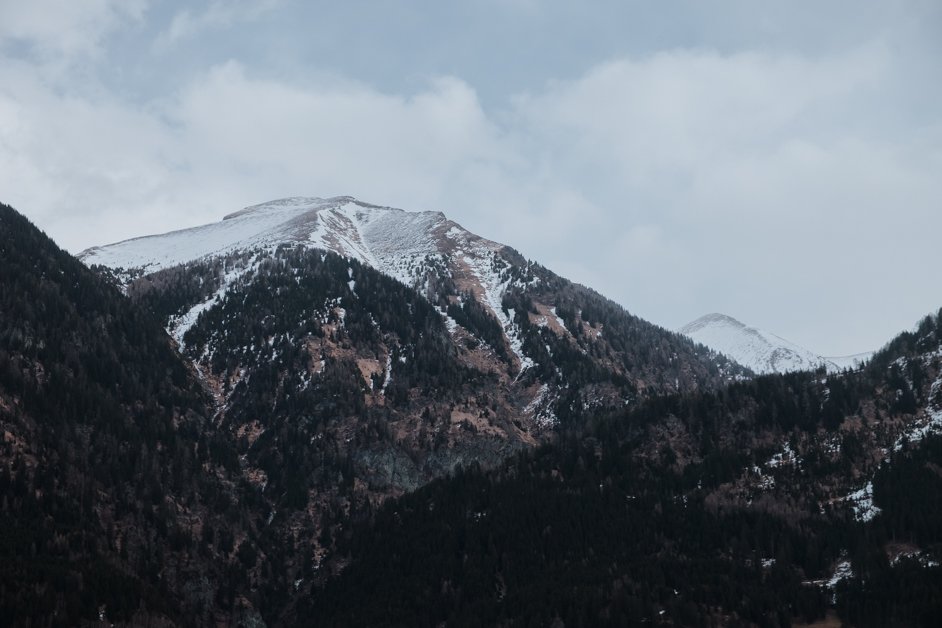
(383, 237)
(759, 350)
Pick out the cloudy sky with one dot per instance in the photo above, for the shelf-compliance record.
(780, 162)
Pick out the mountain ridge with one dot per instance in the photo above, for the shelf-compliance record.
(342, 224)
(399, 243)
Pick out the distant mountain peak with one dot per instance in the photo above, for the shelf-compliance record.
(759, 350)
(707, 320)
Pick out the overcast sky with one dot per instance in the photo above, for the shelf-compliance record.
(780, 162)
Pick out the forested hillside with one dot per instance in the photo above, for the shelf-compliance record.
(738, 507)
(114, 486)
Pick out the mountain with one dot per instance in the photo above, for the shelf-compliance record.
(761, 351)
(356, 352)
(788, 499)
(425, 251)
(419, 314)
(316, 427)
(420, 249)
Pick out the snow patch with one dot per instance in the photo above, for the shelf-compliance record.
(785, 457)
(921, 557)
(450, 323)
(842, 571)
(261, 226)
(540, 408)
(388, 370)
(178, 326)
(559, 320)
(481, 265)
(862, 502)
(930, 424)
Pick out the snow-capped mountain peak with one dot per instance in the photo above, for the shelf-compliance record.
(759, 350)
(372, 234)
(515, 321)
(401, 244)
(394, 241)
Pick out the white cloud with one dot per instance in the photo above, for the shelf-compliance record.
(281, 139)
(771, 179)
(225, 141)
(676, 111)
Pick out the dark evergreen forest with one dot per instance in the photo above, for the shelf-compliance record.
(108, 457)
(601, 528)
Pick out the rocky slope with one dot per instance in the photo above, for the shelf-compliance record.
(761, 351)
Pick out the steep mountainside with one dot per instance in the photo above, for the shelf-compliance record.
(759, 350)
(118, 498)
(356, 352)
(773, 502)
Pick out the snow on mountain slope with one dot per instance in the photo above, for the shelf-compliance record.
(263, 225)
(398, 243)
(761, 351)
(374, 235)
